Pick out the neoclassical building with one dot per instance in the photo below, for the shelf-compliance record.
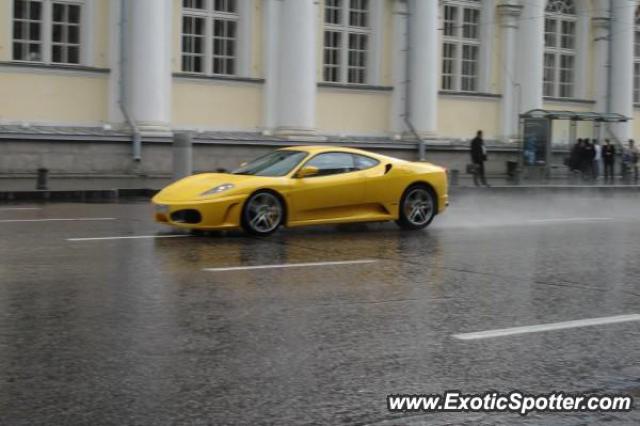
(316, 69)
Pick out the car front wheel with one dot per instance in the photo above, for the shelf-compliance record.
(417, 207)
(262, 214)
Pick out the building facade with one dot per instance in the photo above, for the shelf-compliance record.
(316, 69)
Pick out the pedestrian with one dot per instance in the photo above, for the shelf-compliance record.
(631, 159)
(575, 155)
(478, 157)
(608, 157)
(588, 153)
(597, 159)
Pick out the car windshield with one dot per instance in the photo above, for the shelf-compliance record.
(277, 163)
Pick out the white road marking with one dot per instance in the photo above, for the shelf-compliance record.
(570, 219)
(290, 265)
(129, 237)
(57, 220)
(546, 327)
(3, 209)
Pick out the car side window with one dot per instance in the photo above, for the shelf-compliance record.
(363, 162)
(333, 163)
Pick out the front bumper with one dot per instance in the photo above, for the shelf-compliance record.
(210, 214)
(443, 203)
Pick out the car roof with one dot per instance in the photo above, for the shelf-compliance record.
(314, 149)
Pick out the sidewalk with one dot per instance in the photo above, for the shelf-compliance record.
(466, 181)
(118, 187)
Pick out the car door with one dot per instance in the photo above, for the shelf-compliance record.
(332, 193)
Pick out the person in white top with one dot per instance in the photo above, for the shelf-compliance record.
(597, 159)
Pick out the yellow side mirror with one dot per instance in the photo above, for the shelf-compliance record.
(307, 171)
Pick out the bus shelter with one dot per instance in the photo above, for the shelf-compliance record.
(536, 135)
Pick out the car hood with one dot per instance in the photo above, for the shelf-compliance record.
(191, 187)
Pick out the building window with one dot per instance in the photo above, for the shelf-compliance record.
(210, 36)
(461, 45)
(347, 32)
(560, 49)
(636, 61)
(47, 31)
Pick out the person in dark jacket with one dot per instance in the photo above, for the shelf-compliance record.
(478, 157)
(588, 154)
(575, 156)
(608, 158)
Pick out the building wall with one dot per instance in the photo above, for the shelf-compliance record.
(349, 111)
(561, 130)
(462, 116)
(636, 124)
(97, 35)
(76, 96)
(53, 97)
(100, 34)
(79, 96)
(216, 104)
(5, 30)
(497, 71)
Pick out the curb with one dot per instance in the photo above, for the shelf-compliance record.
(114, 195)
(546, 189)
(111, 195)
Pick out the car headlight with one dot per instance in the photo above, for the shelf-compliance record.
(218, 189)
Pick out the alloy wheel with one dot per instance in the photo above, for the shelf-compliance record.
(418, 206)
(264, 213)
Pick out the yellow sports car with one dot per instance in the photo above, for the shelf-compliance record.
(307, 185)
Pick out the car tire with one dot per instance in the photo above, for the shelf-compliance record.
(418, 206)
(263, 213)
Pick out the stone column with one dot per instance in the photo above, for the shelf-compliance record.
(399, 64)
(424, 66)
(509, 11)
(485, 59)
(600, 22)
(296, 75)
(530, 65)
(622, 39)
(271, 11)
(148, 64)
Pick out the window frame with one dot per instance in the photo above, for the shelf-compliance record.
(453, 77)
(351, 154)
(210, 16)
(375, 160)
(343, 31)
(560, 13)
(46, 41)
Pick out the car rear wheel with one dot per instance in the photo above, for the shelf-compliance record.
(262, 214)
(417, 207)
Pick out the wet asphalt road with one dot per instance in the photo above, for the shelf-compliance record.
(133, 331)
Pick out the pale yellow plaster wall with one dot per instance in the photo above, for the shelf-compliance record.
(462, 116)
(386, 65)
(43, 96)
(101, 33)
(561, 129)
(256, 33)
(98, 22)
(497, 69)
(386, 72)
(352, 112)
(212, 104)
(257, 50)
(636, 125)
(176, 29)
(5, 30)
